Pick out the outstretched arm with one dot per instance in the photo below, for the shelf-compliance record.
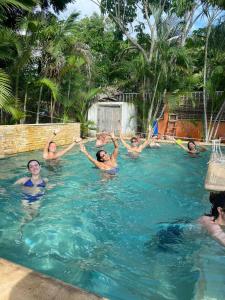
(123, 142)
(145, 144)
(94, 161)
(116, 146)
(201, 148)
(179, 143)
(62, 152)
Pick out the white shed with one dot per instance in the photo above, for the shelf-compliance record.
(113, 115)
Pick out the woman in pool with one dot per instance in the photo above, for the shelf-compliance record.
(104, 162)
(192, 147)
(33, 185)
(49, 151)
(214, 222)
(135, 148)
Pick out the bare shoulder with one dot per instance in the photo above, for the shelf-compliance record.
(22, 180)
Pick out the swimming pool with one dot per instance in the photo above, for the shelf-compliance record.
(114, 236)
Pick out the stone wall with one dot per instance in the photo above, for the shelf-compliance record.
(28, 137)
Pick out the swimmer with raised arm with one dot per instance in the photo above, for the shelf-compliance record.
(214, 223)
(192, 147)
(104, 161)
(134, 146)
(33, 185)
(50, 153)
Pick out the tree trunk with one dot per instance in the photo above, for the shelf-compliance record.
(205, 96)
(53, 110)
(22, 121)
(39, 105)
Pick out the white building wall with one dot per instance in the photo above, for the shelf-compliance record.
(128, 122)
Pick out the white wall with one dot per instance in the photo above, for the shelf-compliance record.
(128, 121)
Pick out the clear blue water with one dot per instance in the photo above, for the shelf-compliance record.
(114, 236)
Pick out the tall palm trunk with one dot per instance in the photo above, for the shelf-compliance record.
(22, 121)
(205, 95)
(39, 105)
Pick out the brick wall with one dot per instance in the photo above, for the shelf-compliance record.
(28, 137)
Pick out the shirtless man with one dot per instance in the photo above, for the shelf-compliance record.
(135, 148)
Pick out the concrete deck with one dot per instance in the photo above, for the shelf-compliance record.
(19, 283)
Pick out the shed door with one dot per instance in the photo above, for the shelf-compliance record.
(109, 118)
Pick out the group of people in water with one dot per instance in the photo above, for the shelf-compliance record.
(213, 222)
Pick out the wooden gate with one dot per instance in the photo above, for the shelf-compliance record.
(109, 117)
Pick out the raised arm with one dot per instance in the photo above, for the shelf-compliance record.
(94, 161)
(146, 142)
(49, 140)
(123, 142)
(116, 146)
(179, 143)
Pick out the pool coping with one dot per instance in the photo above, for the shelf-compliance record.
(20, 283)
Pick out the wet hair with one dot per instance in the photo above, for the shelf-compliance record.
(99, 158)
(190, 142)
(133, 139)
(217, 200)
(50, 144)
(28, 164)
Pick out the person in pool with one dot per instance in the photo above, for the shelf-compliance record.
(192, 147)
(104, 161)
(214, 223)
(50, 153)
(102, 139)
(135, 147)
(33, 185)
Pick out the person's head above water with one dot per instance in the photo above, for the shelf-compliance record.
(52, 147)
(134, 141)
(102, 156)
(218, 204)
(34, 166)
(191, 145)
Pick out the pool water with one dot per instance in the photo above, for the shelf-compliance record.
(131, 236)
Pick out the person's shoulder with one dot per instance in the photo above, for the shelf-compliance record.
(22, 180)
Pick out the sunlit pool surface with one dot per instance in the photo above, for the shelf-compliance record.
(128, 237)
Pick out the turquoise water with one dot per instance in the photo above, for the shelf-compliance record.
(111, 236)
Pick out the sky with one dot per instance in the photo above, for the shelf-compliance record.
(87, 8)
(84, 7)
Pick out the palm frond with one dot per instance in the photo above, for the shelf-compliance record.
(51, 85)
